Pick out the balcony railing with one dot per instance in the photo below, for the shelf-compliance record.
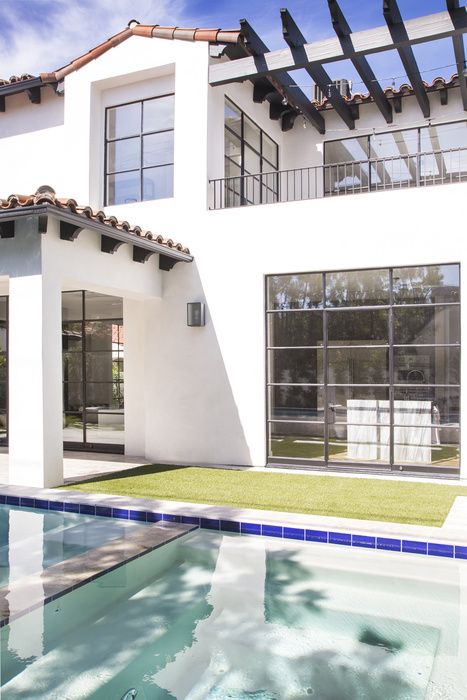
(396, 172)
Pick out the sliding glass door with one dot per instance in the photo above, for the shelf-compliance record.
(364, 368)
(93, 356)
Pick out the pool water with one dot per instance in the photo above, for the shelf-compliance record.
(32, 539)
(231, 617)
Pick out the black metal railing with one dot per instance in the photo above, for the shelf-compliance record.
(444, 166)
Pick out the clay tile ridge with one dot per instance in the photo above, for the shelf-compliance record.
(213, 36)
(46, 195)
(438, 83)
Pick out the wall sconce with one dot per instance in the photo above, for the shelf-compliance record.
(195, 314)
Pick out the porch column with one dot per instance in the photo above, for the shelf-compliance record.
(35, 382)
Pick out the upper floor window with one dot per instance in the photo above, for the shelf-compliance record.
(429, 154)
(251, 160)
(139, 150)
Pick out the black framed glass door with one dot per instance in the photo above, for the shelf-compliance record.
(3, 370)
(93, 358)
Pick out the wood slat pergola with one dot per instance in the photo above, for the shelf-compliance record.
(268, 70)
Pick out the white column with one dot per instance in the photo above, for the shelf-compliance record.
(135, 380)
(35, 382)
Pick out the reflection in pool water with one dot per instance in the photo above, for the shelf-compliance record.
(217, 617)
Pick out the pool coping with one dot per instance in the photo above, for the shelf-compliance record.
(65, 576)
(448, 542)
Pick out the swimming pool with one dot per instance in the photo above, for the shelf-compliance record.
(216, 616)
(33, 539)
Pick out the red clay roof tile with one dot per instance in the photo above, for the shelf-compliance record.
(46, 195)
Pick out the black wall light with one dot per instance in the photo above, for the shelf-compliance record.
(195, 314)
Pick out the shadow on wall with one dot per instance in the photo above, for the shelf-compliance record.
(22, 117)
(192, 412)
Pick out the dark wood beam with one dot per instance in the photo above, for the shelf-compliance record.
(360, 63)
(109, 245)
(395, 24)
(281, 81)
(295, 39)
(2, 103)
(34, 94)
(69, 232)
(42, 222)
(166, 263)
(142, 255)
(7, 229)
(459, 54)
(261, 89)
(419, 30)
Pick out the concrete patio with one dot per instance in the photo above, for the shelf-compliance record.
(78, 466)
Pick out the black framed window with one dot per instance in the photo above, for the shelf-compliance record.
(251, 160)
(93, 371)
(363, 367)
(3, 370)
(402, 158)
(139, 150)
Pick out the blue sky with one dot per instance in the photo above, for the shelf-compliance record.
(42, 35)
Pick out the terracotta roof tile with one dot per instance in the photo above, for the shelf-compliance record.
(46, 195)
(403, 90)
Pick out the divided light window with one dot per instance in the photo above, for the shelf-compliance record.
(251, 160)
(139, 150)
(407, 158)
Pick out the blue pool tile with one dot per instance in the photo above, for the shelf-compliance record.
(104, 511)
(120, 513)
(86, 509)
(414, 547)
(2, 499)
(294, 533)
(190, 520)
(340, 538)
(437, 549)
(12, 500)
(41, 503)
(168, 517)
(153, 517)
(461, 552)
(271, 530)
(363, 541)
(251, 528)
(138, 515)
(316, 536)
(388, 543)
(56, 505)
(230, 526)
(26, 502)
(72, 507)
(210, 523)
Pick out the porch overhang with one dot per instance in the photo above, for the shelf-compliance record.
(73, 219)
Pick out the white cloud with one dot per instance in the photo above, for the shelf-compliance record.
(42, 36)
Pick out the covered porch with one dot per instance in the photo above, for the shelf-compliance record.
(75, 304)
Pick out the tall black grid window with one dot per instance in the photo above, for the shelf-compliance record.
(93, 370)
(364, 368)
(251, 160)
(139, 150)
(3, 370)
(394, 159)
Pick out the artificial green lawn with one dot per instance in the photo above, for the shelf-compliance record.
(365, 499)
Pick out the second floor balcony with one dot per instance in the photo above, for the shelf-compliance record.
(436, 167)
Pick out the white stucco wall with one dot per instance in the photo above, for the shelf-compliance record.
(197, 395)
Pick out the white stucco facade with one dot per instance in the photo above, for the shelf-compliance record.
(192, 395)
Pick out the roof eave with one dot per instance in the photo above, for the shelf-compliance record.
(105, 229)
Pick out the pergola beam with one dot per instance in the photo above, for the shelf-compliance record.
(459, 54)
(418, 31)
(282, 82)
(295, 39)
(395, 24)
(361, 65)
